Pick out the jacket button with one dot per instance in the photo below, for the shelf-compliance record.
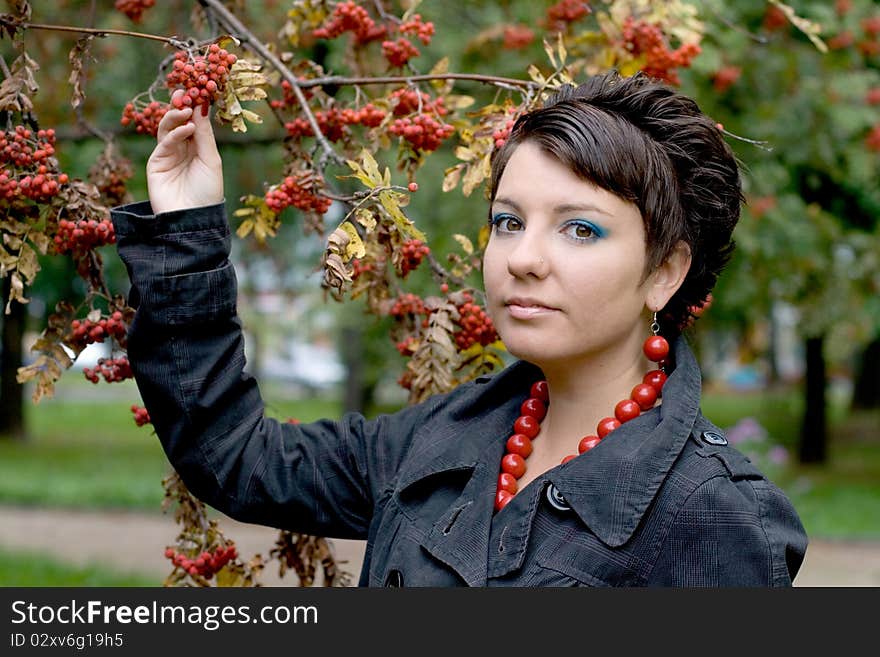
(394, 579)
(556, 500)
(714, 438)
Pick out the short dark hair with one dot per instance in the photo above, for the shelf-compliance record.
(649, 144)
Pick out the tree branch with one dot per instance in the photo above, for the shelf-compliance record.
(237, 28)
(98, 32)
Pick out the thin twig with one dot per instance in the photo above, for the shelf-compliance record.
(251, 42)
(98, 32)
(338, 80)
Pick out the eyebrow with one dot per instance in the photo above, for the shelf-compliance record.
(559, 209)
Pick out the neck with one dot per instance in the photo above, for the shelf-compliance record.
(585, 391)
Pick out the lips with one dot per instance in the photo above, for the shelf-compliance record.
(527, 308)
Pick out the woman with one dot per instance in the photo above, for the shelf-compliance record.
(584, 462)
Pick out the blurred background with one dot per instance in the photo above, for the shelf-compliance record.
(790, 344)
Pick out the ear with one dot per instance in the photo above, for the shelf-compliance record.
(668, 277)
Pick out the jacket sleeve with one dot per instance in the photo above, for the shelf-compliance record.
(186, 351)
(732, 533)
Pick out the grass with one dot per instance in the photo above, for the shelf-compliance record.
(87, 452)
(25, 569)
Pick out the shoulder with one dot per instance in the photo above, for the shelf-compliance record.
(725, 500)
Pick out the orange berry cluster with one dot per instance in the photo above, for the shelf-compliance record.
(872, 140)
(333, 122)
(297, 191)
(399, 52)
(406, 347)
(501, 134)
(644, 39)
(475, 325)
(517, 37)
(141, 415)
(202, 76)
(82, 234)
(407, 101)
(112, 369)
(84, 332)
(206, 564)
(415, 26)
(146, 120)
(408, 304)
(40, 187)
(724, 77)
(414, 251)
(359, 268)
(134, 9)
(27, 153)
(565, 12)
(350, 17)
(423, 132)
(289, 100)
(22, 148)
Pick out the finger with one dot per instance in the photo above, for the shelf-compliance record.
(170, 143)
(206, 144)
(173, 119)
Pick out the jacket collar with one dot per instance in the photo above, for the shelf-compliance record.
(631, 465)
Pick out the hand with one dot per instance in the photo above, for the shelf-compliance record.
(184, 170)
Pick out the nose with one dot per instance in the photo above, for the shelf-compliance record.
(527, 258)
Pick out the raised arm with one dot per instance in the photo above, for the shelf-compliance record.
(186, 350)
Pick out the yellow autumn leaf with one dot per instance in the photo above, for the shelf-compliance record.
(451, 177)
(245, 228)
(466, 245)
(355, 247)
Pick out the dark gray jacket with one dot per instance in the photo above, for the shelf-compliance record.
(664, 501)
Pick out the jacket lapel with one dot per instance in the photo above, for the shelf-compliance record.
(612, 486)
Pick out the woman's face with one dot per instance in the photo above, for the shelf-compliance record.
(563, 270)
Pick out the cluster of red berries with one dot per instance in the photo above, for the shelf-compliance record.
(399, 52)
(408, 304)
(40, 187)
(297, 191)
(409, 101)
(206, 564)
(290, 100)
(413, 251)
(134, 9)
(333, 122)
(359, 267)
(80, 235)
(501, 134)
(112, 369)
(203, 77)
(24, 149)
(475, 325)
(774, 18)
(565, 12)
(350, 17)
(645, 39)
(406, 347)
(873, 96)
(141, 415)
(872, 140)
(146, 120)
(724, 77)
(423, 132)
(415, 26)
(26, 153)
(517, 37)
(84, 332)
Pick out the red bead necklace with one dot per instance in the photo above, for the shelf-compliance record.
(534, 409)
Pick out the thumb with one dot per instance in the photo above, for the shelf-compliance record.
(206, 144)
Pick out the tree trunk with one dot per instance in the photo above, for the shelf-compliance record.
(354, 399)
(11, 391)
(866, 389)
(814, 434)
